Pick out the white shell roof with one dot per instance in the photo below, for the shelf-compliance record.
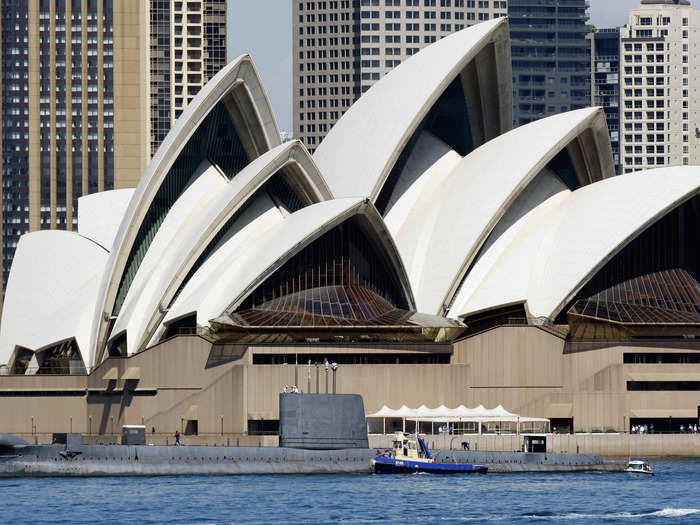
(361, 148)
(448, 226)
(241, 70)
(259, 216)
(51, 291)
(168, 242)
(240, 271)
(100, 214)
(198, 216)
(563, 242)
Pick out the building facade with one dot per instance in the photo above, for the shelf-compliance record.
(605, 82)
(188, 47)
(551, 57)
(76, 87)
(660, 109)
(343, 47)
(438, 255)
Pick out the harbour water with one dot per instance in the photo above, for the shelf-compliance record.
(669, 497)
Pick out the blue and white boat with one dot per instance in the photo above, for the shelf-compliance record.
(410, 454)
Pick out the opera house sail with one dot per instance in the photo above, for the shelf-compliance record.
(435, 252)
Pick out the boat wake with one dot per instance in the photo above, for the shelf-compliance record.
(663, 513)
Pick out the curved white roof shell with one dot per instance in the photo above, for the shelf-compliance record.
(51, 292)
(362, 147)
(448, 225)
(100, 215)
(259, 216)
(193, 222)
(560, 245)
(240, 272)
(238, 84)
(169, 238)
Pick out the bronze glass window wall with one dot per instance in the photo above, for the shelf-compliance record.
(339, 279)
(652, 282)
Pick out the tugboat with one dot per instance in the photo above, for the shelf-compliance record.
(639, 466)
(410, 454)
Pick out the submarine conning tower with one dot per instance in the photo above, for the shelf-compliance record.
(322, 421)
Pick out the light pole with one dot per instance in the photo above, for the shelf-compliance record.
(334, 367)
(326, 364)
(308, 375)
(222, 424)
(318, 378)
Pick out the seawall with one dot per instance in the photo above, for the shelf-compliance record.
(604, 445)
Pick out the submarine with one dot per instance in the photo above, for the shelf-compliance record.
(318, 434)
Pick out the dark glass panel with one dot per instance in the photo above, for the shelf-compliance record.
(448, 119)
(645, 358)
(355, 358)
(659, 386)
(561, 165)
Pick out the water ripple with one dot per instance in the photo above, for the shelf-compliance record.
(669, 497)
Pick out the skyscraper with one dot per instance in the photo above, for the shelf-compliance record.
(660, 107)
(77, 80)
(188, 47)
(342, 47)
(551, 61)
(605, 82)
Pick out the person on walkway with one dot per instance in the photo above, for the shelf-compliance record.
(177, 437)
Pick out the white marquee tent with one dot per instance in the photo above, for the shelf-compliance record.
(442, 414)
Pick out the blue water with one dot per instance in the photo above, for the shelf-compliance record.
(672, 496)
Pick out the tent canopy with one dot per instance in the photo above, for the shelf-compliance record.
(461, 413)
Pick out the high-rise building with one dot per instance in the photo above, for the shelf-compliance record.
(188, 47)
(551, 57)
(342, 47)
(660, 107)
(605, 82)
(77, 80)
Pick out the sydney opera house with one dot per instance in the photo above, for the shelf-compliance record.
(436, 254)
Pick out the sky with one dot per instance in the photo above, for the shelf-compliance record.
(263, 28)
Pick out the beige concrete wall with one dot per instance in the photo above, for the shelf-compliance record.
(522, 368)
(392, 385)
(50, 414)
(606, 445)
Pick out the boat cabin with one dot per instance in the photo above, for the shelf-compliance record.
(407, 446)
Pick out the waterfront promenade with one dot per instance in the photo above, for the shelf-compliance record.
(604, 445)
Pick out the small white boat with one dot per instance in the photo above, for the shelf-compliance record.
(639, 466)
